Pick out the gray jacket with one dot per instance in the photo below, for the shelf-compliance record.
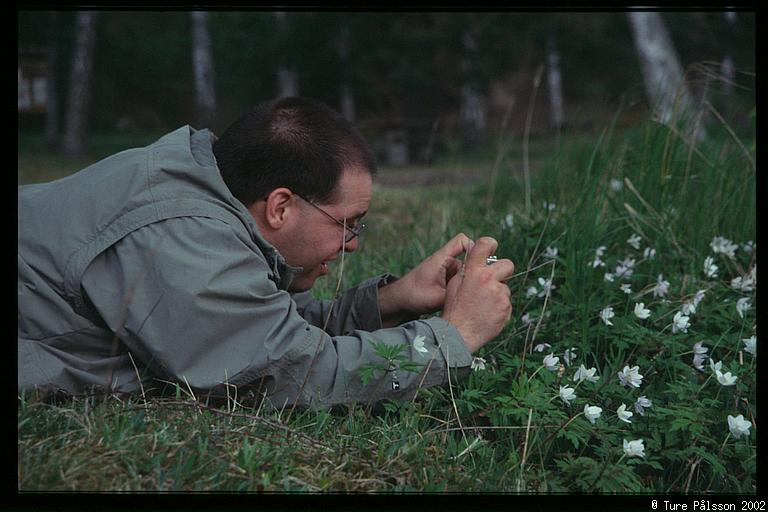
(144, 264)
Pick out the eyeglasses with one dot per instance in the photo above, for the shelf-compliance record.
(352, 232)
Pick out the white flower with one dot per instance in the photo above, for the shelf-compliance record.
(567, 394)
(552, 362)
(662, 287)
(699, 351)
(698, 361)
(630, 377)
(606, 315)
(742, 306)
(598, 262)
(698, 297)
(592, 412)
(710, 269)
(688, 308)
(569, 355)
(738, 426)
(509, 220)
(715, 366)
(550, 252)
(531, 292)
(750, 345)
(641, 312)
(623, 413)
(649, 253)
(549, 206)
(749, 246)
(541, 347)
(745, 283)
(583, 374)
(680, 322)
(418, 344)
(634, 241)
(634, 448)
(616, 185)
(478, 363)
(625, 268)
(608, 277)
(722, 245)
(546, 287)
(526, 318)
(626, 288)
(726, 379)
(641, 404)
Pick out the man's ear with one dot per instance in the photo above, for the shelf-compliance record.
(279, 204)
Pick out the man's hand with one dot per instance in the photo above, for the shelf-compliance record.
(422, 290)
(477, 298)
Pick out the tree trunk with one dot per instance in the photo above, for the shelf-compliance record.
(662, 73)
(727, 69)
(555, 86)
(474, 107)
(287, 78)
(346, 97)
(51, 83)
(80, 84)
(202, 63)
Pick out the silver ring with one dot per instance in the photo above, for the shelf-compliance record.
(491, 260)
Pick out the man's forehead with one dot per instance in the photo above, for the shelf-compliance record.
(353, 190)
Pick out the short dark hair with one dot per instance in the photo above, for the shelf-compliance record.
(293, 142)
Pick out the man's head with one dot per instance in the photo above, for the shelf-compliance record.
(299, 167)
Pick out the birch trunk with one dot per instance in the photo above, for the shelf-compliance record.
(662, 73)
(80, 84)
(202, 64)
(474, 106)
(346, 96)
(554, 86)
(52, 83)
(287, 78)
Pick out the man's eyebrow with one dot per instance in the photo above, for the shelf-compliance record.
(358, 216)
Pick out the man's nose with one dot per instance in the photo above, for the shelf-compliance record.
(351, 246)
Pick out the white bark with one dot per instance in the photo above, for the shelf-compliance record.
(287, 78)
(555, 86)
(474, 106)
(662, 73)
(202, 64)
(52, 98)
(346, 96)
(80, 84)
(727, 68)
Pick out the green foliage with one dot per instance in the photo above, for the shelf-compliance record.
(505, 428)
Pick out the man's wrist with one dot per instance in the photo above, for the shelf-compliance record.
(392, 304)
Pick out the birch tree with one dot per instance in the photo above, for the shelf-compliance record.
(51, 81)
(554, 85)
(287, 77)
(346, 97)
(202, 64)
(473, 108)
(663, 75)
(727, 68)
(80, 84)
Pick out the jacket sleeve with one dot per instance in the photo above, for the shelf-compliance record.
(194, 300)
(356, 309)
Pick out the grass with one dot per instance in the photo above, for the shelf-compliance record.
(505, 428)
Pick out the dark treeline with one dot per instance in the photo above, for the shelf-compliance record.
(417, 72)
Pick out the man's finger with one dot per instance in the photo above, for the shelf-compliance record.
(456, 246)
(483, 247)
(503, 269)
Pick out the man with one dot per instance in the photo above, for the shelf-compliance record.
(191, 261)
